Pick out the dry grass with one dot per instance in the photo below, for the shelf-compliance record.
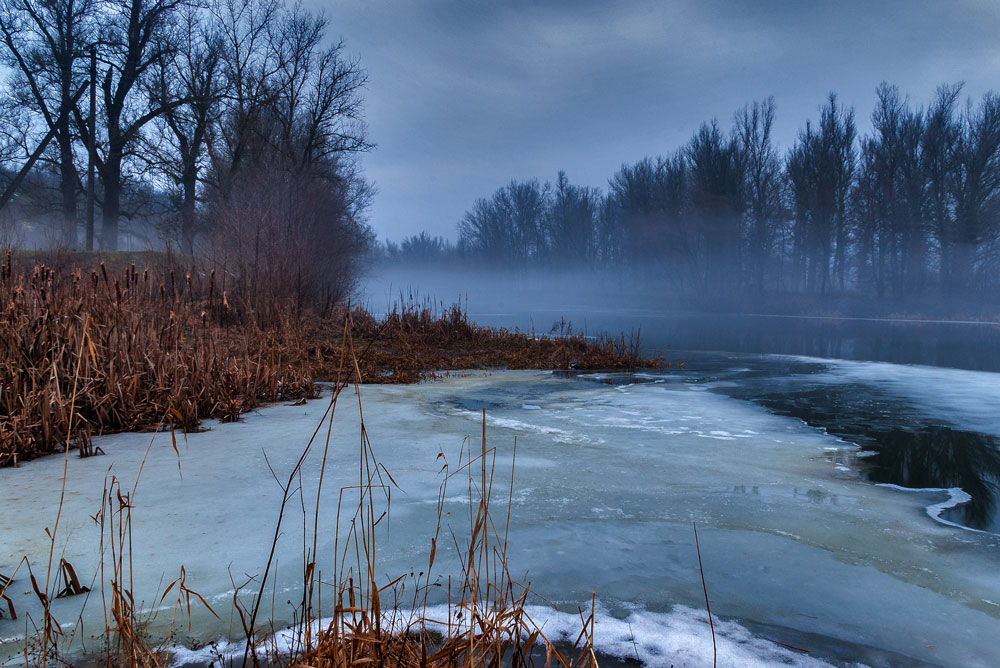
(169, 342)
(152, 348)
(416, 341)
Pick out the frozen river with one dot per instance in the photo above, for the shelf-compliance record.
(807, 540)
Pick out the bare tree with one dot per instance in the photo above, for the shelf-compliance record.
(509, 228)
(717, 175)
(188, 86)
(47, 41)
(572, 222)
(941, 132)
(250, 63)
(650, 201)
(137, 35)
(976, 183)
(821, 169)
(291, 125)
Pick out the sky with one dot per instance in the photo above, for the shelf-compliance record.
(465, 95)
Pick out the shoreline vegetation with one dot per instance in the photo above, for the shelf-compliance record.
(139, 343)
(350, 619)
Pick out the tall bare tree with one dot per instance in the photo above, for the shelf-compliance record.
(941, 132)
(137, 35)
(821, 169)
(188, 86)
(976, 184)
(290, 124)
(46, 46)
(762, 189)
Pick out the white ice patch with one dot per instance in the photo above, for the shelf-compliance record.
(558, 435)
(681, 637)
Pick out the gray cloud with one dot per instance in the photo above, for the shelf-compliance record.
(464, 96)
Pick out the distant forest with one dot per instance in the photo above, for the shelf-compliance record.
(910, 210)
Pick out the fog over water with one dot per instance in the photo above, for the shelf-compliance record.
(669, 325)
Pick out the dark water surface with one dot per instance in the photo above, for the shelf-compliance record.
(960, 345)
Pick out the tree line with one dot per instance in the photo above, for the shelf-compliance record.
(231, 126)
(910, 208)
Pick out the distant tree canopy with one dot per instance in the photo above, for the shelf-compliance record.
(912, 207)
(232, 127)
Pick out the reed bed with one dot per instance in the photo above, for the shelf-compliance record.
(169, 347)
(153, 348)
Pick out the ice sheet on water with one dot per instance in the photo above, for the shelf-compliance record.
(968, 399)
(791, 544)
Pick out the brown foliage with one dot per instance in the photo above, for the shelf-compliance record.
(169, 347)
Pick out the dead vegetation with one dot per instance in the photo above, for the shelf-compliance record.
(170, 347)
(351, 619)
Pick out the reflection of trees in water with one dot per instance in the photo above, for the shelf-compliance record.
(940, 457)
(922, 456)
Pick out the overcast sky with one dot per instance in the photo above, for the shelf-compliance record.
(465, 95)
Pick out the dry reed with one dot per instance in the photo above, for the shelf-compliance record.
(172, 342)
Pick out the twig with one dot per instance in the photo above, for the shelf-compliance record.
(704, 588)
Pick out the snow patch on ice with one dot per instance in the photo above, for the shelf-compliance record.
(558, 435)
(678, 638)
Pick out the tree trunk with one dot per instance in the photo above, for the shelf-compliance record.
(112, 200)
(67, 185)
(189, 184)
